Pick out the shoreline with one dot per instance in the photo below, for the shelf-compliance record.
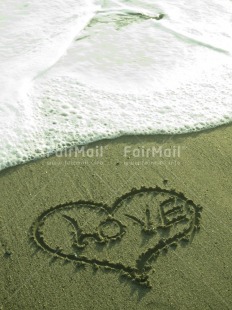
(123, 138)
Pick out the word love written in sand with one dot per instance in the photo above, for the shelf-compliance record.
(127, 236)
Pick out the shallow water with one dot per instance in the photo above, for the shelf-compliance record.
(79, 71)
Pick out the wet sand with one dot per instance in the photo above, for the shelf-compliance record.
(141, 222)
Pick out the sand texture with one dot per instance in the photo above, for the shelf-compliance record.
(100, 230)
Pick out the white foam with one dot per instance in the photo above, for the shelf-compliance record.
(125, 73)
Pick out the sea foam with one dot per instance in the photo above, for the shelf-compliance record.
(77, 71)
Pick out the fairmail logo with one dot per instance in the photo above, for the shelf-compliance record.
(82, 151)
(152, 152)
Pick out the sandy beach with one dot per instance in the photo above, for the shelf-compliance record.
(139, 222)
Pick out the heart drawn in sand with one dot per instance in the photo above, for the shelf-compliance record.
(127, 236)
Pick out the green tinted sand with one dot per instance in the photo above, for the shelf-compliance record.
(141, 222)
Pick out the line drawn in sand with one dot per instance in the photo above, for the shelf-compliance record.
(126, 237)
